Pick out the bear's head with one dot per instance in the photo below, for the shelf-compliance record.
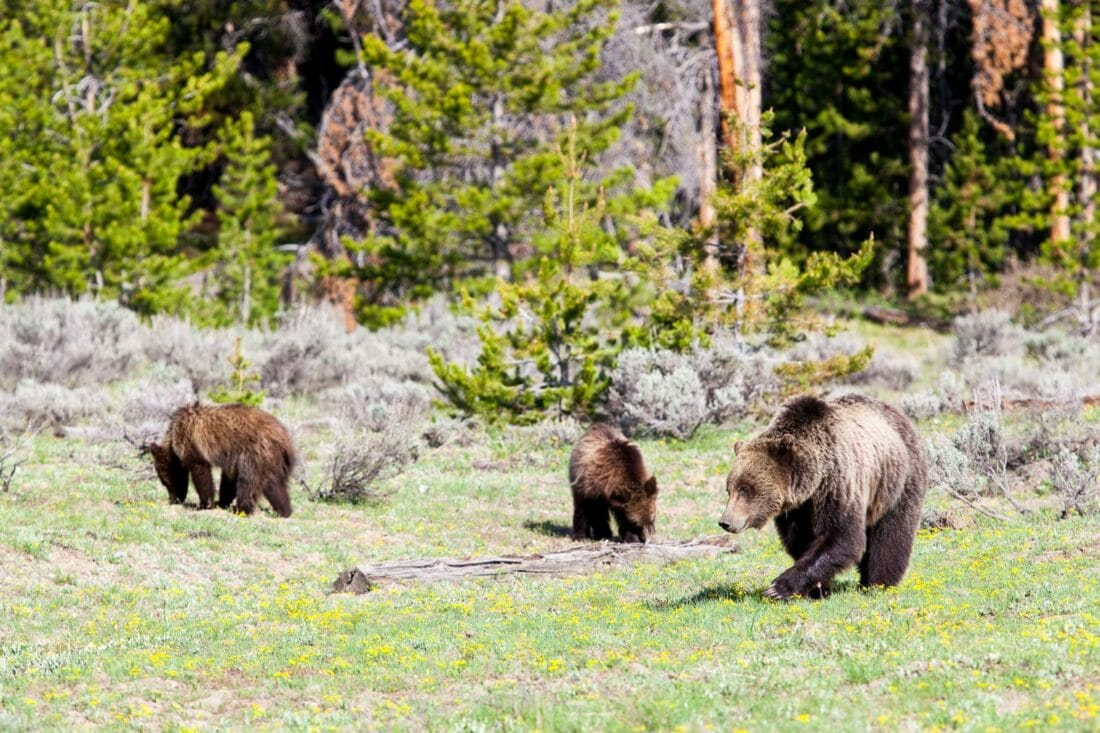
(161, 461)
(639, 512)
(758, 483)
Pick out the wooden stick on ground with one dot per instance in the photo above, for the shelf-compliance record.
(576, 560)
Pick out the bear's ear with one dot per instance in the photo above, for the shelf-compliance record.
(650, 486)
(737, 444)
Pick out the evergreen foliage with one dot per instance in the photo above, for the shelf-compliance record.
(838, 70)
(91, 108)
(156, 156)
(549, 346)
(1072, 151)
(736, 276)
(481, 95)
(247, 265)
(967, 225)
(243, 384)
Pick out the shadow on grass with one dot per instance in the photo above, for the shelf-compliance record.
(724, 592)
(738, 593)
(548, 528)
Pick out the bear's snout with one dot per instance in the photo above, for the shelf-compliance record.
(733, 528)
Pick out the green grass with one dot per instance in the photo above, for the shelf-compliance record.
(118, 610)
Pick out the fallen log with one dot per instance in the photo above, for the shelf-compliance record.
(1033, 403)
(895, 317)
(576, 560)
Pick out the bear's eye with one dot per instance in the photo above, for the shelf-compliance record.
(744, 490)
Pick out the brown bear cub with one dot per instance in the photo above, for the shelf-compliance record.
(844, 481)
(252, 448)
(607, 475)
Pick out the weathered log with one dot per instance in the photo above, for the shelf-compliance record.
(585, 558)
(895, 317)
(1034, 403)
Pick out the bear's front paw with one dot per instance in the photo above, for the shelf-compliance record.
(782, 587)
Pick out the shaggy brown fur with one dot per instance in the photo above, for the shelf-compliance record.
(844, 481)
(607, 474)
(252, 448)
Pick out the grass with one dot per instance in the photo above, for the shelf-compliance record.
(120, 611)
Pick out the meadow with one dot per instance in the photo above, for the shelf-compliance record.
(119, 611)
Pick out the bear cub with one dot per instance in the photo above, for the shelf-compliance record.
(608, 476)
(844, 481)
(253, 450)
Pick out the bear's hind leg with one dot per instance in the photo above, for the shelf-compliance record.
(204, 485)
(889, 545)
(227, 490)
(598, 517)
(247, 491)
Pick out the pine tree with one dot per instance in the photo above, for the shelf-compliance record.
(747, 284)
(481, 92)
(839, 71)
(93, 110)
(967, 226)
(247, 265)
(548, 348)
(1069, 136)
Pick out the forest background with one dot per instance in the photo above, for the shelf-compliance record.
(592, 175)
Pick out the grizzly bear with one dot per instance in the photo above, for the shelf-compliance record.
(252, 448)
(607, 475)
(844, 481)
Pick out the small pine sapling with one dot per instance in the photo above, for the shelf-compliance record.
(243, 385)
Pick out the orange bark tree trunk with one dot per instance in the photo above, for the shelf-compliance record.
(917, 276)
(1054, 68)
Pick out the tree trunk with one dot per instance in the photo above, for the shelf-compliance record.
(918, 151)
(737, 45)
(502, 265)
(746, 48)
(727, 66)
(708, 168)
(1087, 188)
(1054, 67)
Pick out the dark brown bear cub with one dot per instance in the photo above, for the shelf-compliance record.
(844, 481)
(252, 448)
(608, 476)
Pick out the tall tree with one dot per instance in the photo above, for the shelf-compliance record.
(839, 70)
(737, 45)
(917, 270)
(1071, 133)
(1053, 69)
(481, 92)
(967, 233)
(245, 278)
(726, 57)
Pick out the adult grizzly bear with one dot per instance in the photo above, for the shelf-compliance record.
(607, 475)
(844, 481)
(252, 448)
